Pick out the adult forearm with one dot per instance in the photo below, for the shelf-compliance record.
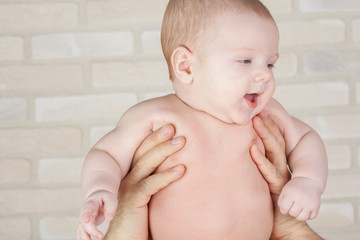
(302, 231)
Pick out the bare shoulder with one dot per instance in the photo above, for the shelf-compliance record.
(275, 108)
(292, 128)
(277, 113)
(148, 110)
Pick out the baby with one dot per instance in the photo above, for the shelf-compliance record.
(220, 55)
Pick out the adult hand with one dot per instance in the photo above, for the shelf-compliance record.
(136, 189)
(273, 167)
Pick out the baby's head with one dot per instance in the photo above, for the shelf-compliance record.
(215, 49)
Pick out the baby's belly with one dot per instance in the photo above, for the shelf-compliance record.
(220, 197)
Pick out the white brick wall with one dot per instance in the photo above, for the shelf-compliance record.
(11, 48)
(329, 5)
(69, 69)
(34, 16)
(339, 157)
(311, 32)
(15, 228)
(70, 45)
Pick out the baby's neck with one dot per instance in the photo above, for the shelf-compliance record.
(193, 107)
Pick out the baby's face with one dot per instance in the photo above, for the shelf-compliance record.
(233, 71)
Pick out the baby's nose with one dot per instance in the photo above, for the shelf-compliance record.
(263, 75)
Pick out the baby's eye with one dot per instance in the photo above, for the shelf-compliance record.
(270, 66)
(245, 61)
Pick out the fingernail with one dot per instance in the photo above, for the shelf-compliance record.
(175, 141)
(164, 130)
(178, 168)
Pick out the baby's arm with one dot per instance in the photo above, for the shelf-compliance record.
(107, 163)
(308, 163)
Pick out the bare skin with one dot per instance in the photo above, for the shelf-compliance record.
(219, 90)
(130, 222)
(273, 167)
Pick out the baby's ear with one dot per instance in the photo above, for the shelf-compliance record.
(181, 61)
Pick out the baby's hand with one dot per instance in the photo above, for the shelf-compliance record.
(300, 198)
(98, 206)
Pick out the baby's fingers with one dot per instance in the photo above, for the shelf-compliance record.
(89, 211)
(82, 235)
(110, 205)
(304, 215)
(91, 229)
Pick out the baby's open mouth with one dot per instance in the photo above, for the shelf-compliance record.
(252, 100)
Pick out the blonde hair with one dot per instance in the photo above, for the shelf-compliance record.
(184, 23)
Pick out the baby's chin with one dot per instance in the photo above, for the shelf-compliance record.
(244, 119)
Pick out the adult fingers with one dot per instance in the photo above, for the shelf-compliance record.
(274, 128)
(269, 171)
(154, 183)
(272, 140)
(266, 168)
(159, 136)
(153, 158)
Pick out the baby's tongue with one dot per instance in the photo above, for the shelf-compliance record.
(251, 100)
(250, 97)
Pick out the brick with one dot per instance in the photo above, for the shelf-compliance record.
(80, 108)
(37, 15)
(286, 66)
(356, 30)
(13, 110)
(60, 170)
(278, 7)
(11, 48)
(14, 171)
(15, 228)
(62, 227)
(326, 63)
(96, 133)
(342, 185)
(71, 45)
(135, 74)
(336, 126)
(334, 216)
(329, 5)
(58, 228)
(314, 95)
(34, 201)
(339, 157)
(311, 32)
(126, 12)
(151, 43)
(40, 79)
(45, 142)
(344, 234)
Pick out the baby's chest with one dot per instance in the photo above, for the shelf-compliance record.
(221, 182)
(213, 147)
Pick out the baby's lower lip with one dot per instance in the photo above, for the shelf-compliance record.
(251, 100)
